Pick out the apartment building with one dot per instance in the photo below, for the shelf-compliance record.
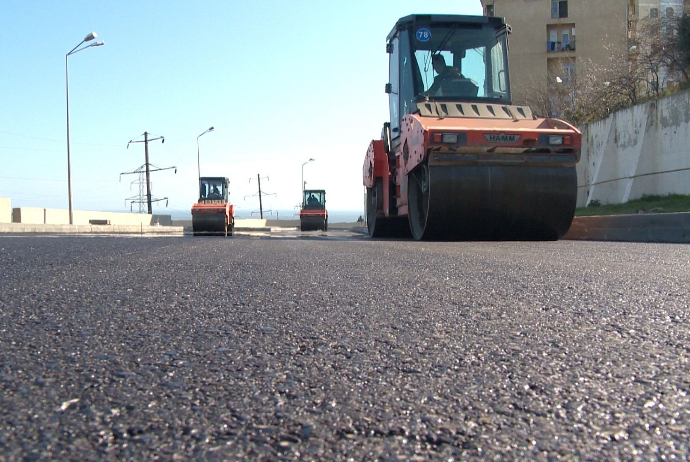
(550, 37)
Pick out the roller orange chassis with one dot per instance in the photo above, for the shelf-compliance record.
(313, 219)
(210, 218)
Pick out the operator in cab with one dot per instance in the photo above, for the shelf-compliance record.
(443, 72)
(215, 193)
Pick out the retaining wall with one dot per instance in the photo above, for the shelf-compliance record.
(642, 150)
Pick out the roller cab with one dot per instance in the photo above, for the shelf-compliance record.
(457, 160)
(313, 216)
(213, 214)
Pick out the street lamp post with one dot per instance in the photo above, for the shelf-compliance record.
(198, 162)
(310, 160)
(88, 38)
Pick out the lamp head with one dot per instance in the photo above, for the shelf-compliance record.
(90, 37)
(205, 132)
(100, 43)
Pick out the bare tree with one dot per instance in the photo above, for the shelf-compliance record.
(578, 98)
(670, 39)
(656, 61)
(684, 44)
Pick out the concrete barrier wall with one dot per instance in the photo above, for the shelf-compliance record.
(239, 223)
(33, 215)
(253, 223)
(82, 217)
(5, 210)
(17, 228)
(57, 217)
(296, 224)
(28, 215)
(638, 151)
(250, 223)
(283, 223)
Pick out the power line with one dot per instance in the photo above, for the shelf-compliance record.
(28, 179)
(632, 177)
(55, 141)
(53, 179)
(9, 148)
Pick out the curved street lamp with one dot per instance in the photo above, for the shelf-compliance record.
(74, 50)
(198, 162)
(310, 160)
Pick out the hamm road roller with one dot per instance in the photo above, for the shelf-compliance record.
(213, 214)
(313, 216)
(457, 160)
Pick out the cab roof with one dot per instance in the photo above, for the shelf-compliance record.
(438, 19)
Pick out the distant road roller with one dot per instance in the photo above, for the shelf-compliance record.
(457, 160)
(313, 216)
(213, 214)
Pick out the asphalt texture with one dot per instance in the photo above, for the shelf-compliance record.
(342, 348)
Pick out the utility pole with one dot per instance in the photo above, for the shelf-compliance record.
(147, 167)
(148, 172)
(261, 207)
(260, 194)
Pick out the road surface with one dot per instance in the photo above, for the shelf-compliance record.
(337, 346)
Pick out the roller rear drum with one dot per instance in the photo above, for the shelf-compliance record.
(378, 224)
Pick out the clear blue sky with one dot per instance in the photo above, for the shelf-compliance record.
(282, 82)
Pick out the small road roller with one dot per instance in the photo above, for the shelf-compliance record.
(213, 214)
(313, 216)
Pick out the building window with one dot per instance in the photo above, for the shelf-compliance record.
(489, 10)
(563, 9)
(568, 71)
(559, 9)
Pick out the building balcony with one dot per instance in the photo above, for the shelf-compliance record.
(552, 47)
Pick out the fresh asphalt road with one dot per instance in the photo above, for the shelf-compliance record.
(342, 347)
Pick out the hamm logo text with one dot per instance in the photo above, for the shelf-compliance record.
(502, 138)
